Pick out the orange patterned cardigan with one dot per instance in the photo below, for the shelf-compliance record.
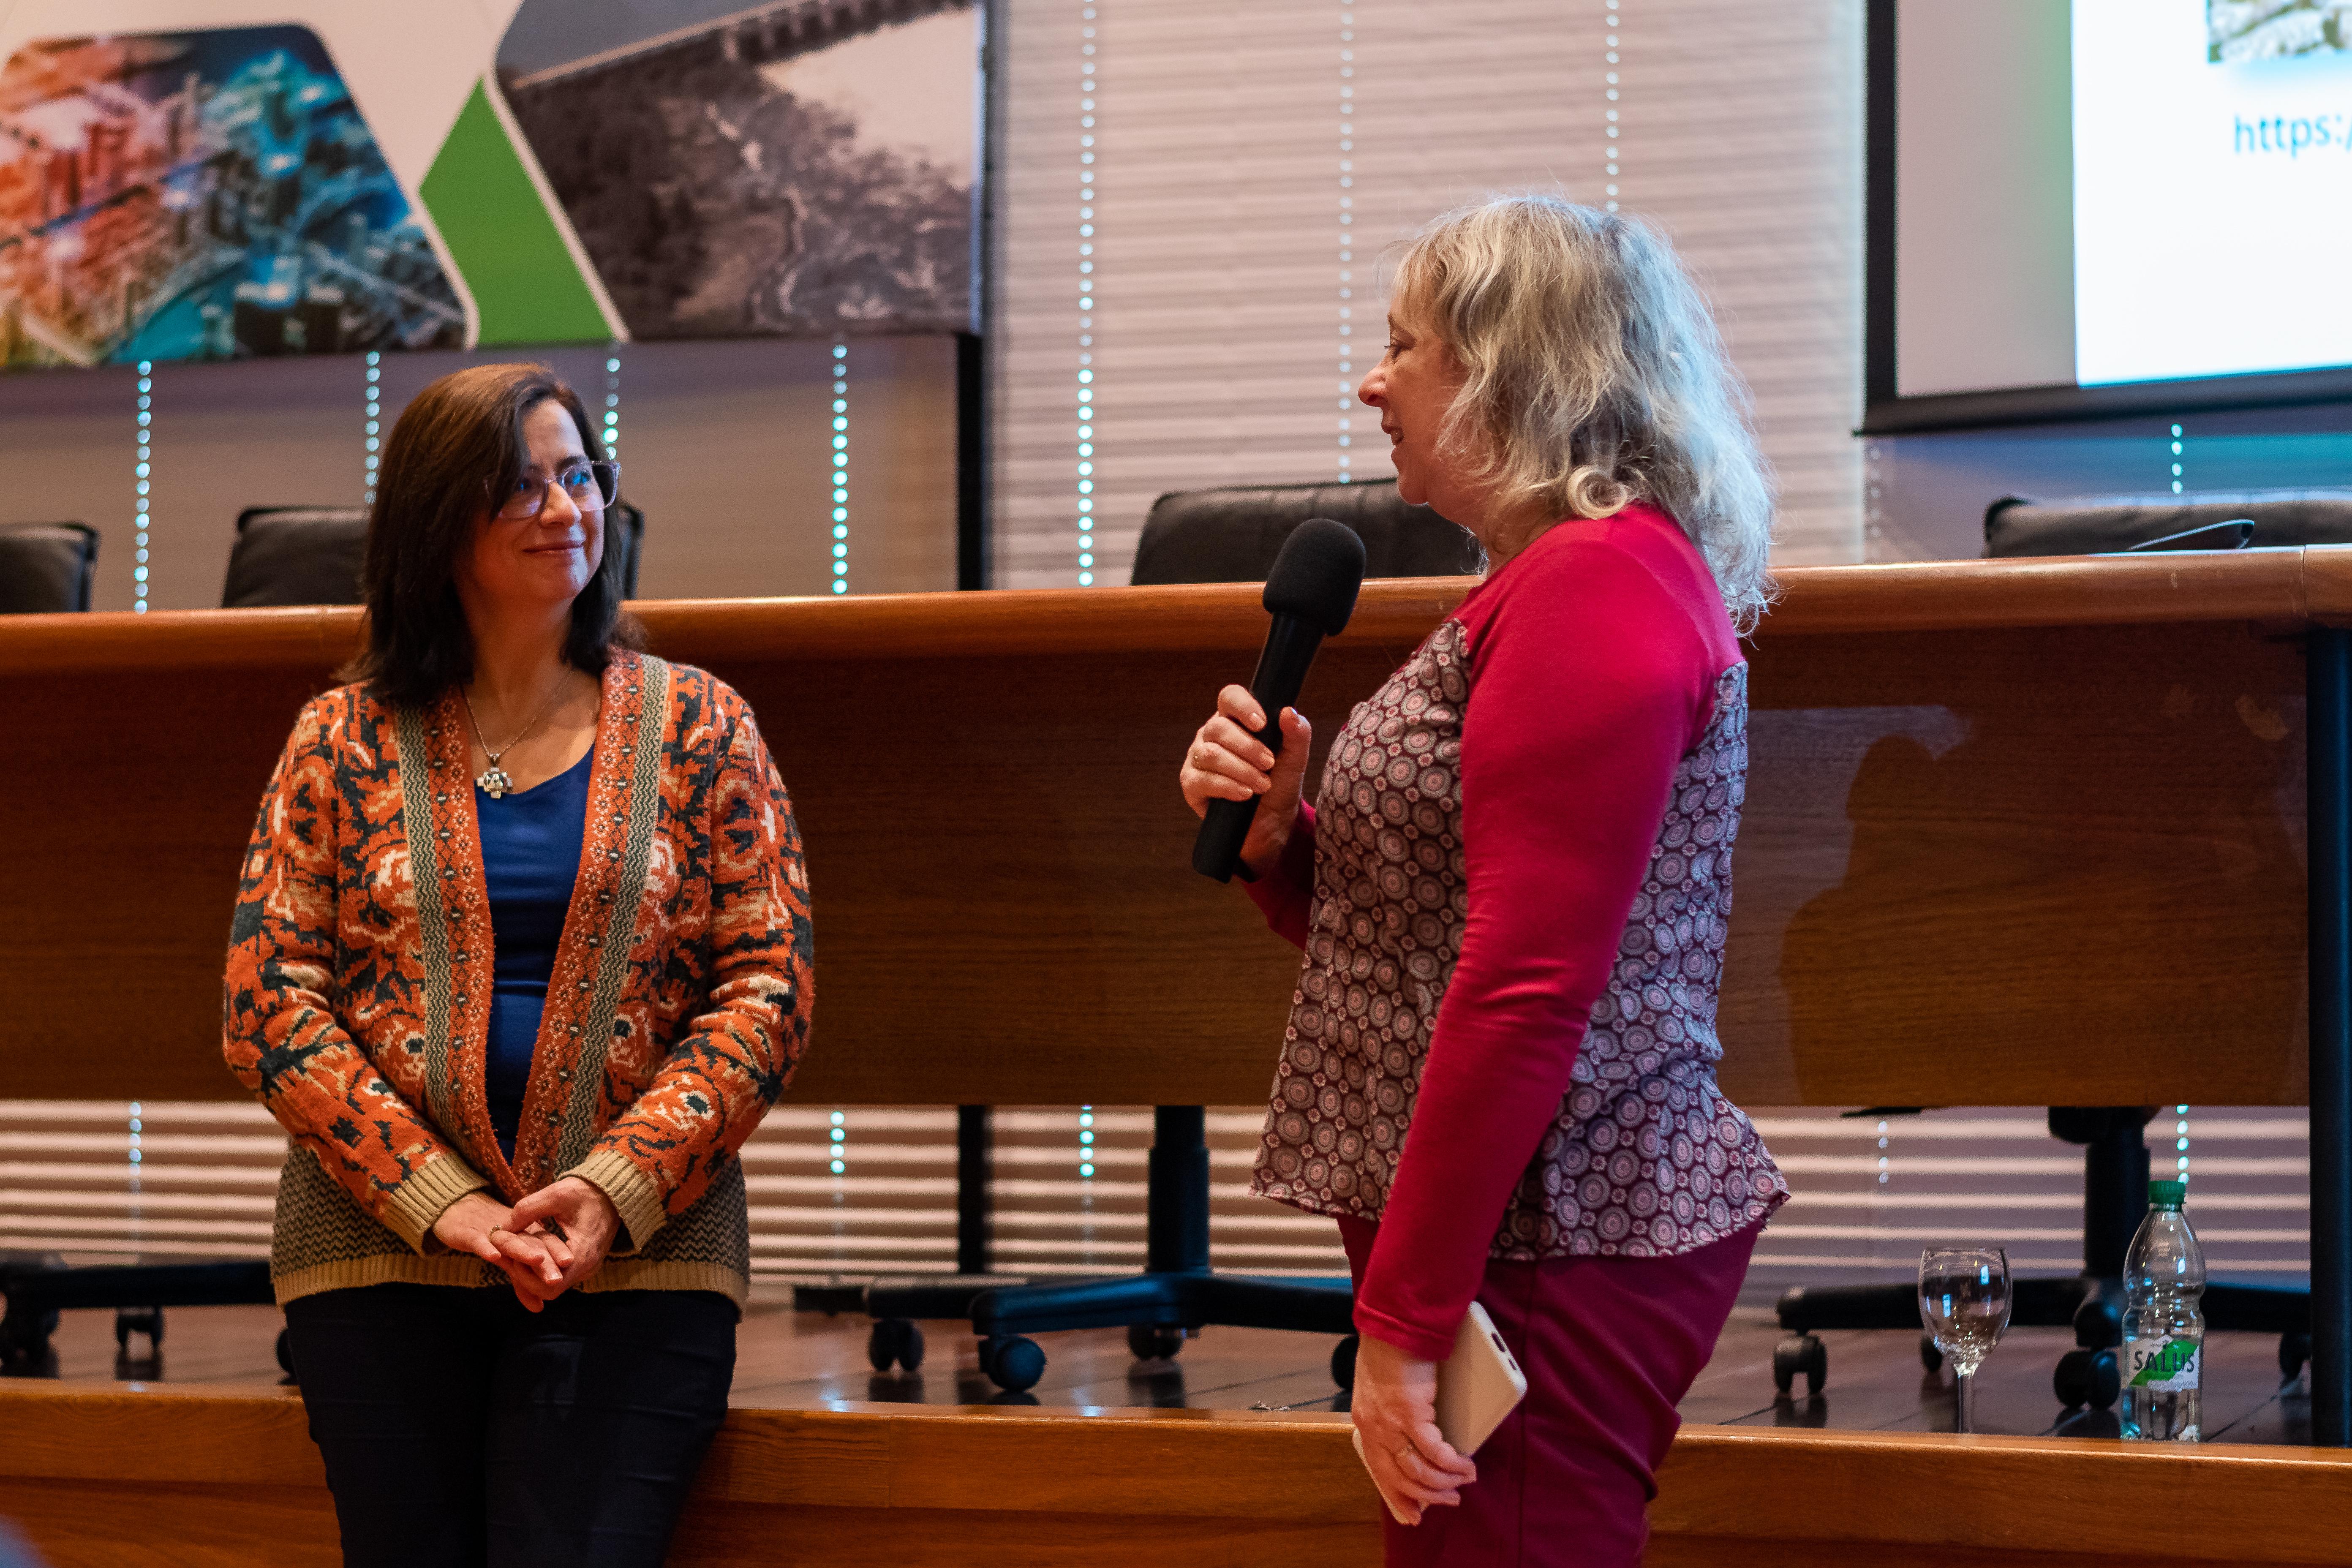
(359, 974)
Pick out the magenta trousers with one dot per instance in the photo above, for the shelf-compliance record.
(1609, 1346)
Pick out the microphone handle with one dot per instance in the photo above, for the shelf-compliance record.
(1290, 647)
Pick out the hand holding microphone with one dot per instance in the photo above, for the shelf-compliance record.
(1311, 593)
(1226, 760)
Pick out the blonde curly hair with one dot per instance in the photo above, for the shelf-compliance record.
(1593, 376)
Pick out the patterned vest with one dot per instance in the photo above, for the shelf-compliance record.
(1647, 1157)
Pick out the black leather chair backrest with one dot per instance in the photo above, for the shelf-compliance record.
(47, 567)
(2102, 525)
(314, 554)
(296, 555)
(624, 530)
(1233, 535)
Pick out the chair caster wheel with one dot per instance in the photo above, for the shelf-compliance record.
(1801, 1352)
(129, 1322)
(2295, 1350)
(1343, 1364)
(2087, 1377)
(1151, 1341)
(1929, 1356)
(894, 1341)
(1012, 1363)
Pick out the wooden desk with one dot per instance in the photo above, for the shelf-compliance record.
(2021, 832)
(225, 1475)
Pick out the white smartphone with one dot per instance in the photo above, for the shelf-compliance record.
(1477, 1387)
(1478, 1384)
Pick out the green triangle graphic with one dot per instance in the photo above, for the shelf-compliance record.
(525, 284)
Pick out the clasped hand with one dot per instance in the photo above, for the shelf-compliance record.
(552, 1240)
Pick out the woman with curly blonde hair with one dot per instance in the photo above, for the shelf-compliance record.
(1512, 889)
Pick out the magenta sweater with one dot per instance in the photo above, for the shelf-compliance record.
(1512, 898)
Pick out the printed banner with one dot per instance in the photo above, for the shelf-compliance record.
(218, 180)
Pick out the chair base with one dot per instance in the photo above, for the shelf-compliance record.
(1156, 1310)
(38, 1286)
(895, 1302)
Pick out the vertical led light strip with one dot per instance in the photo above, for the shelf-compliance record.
(840, 469)
(2180, 1140)
(372, 425)
(1087, 299)
(1347, 224)
(140, 471)
(1609, 81)
(137, 1158)
(1087, 1143)
(2176, 459)
(838, 1153)
(611, 434)
(1878, 1216)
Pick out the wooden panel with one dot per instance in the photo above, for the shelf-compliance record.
(225, 1475)
(2059, 591)
(2018, 832)
(183, 1433)
(744, 1536)
(148, 1524)
(1222, 1464)
(2050, 866)
(2020, 1498)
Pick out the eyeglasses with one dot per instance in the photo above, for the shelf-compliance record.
(590, 485)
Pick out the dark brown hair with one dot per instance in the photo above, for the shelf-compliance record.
(459, 443)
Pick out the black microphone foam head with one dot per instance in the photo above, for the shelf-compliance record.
(1316, 574)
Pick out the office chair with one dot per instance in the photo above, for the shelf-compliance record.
(1214, 536)
(45, 568)
(313, 555)
(2115, 1146)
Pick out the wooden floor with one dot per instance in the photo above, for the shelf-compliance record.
(1231, 1453)
(807, 1361)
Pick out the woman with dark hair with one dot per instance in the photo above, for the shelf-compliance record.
(520, 956)
(1514, 885)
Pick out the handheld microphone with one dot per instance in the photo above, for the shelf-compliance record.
(1311, 593)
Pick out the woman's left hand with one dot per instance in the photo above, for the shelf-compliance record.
(1395, 1410)
(579, 1212)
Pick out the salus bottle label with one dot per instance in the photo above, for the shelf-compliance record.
(2161, 1366)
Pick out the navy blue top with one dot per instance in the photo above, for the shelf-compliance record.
(530, 858)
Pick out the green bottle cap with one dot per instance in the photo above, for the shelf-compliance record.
(2166, 1194)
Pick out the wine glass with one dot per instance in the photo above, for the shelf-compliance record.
(1964, 1302)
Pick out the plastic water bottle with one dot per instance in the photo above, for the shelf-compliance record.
(2164, 1329)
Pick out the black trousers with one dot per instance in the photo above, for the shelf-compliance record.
(460, 1429)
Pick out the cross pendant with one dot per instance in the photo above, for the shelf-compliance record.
(494, 782)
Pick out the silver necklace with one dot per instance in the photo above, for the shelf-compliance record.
(493, 781)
